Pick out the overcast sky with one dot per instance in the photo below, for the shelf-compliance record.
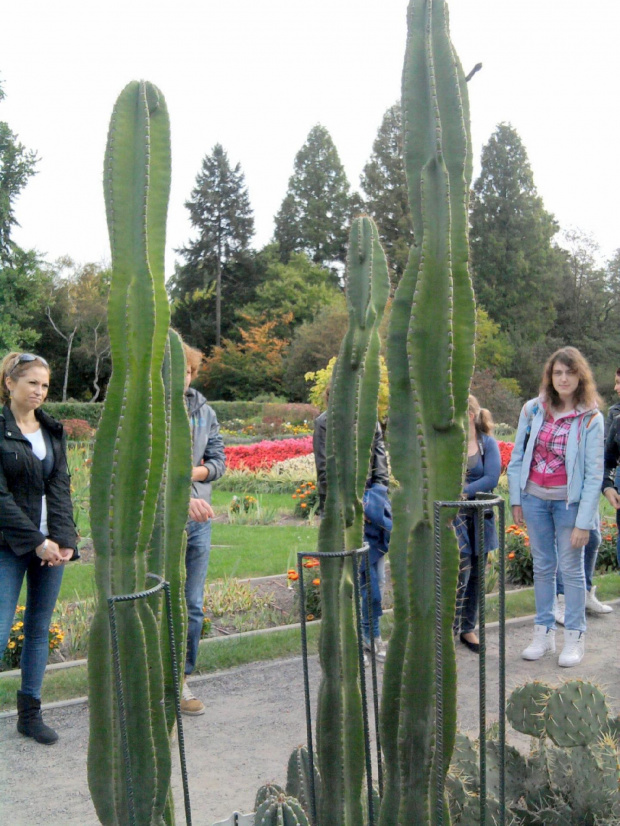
(256, 75)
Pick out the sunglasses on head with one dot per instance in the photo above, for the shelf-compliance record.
(24, 358)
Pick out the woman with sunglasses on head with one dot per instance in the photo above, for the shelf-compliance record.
(37, 532)
(555, 475)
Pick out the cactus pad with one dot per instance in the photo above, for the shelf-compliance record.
(524, 708)
(575, 714)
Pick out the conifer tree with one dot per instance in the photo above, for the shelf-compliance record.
(220, 211)
(385, 188)
(317, 209)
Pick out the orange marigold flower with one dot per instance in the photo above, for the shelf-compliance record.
(303, 505)
(316, 581)
(511, 555)
(311, 562)
(310, 617)
(293, 575)
(293, 496)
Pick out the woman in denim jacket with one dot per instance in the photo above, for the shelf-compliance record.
(555, 476)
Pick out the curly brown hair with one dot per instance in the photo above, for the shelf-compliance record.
(585, 394)
(193, 359)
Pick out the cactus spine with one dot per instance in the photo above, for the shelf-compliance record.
(430, 362)
(135, 452)
(352, 416)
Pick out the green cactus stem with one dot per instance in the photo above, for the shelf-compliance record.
(575, 714)
(352, 416)
(430, 362)
(134, 454)
(266, 791)
(298, 778)
(524, 708)
(280, 811)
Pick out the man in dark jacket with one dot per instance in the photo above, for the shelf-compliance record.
(378, 476)
(209, 463)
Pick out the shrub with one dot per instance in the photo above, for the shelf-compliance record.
(519, 563)
(264, 455)
(504, 405)
(292, 413)
(91, 413)
(607, 559)
(78, 430)
(306, 500)
(312, 588)
(13, 651)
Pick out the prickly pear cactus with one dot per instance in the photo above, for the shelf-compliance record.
(298, 778)
(133, 457)
(575, 714)
(352, 417)
(524, 708)
(430, 363)
(280, 811)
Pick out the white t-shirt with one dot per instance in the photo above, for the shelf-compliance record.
(38, 448)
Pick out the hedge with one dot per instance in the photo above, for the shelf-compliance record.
(225, 411)
(90, 412)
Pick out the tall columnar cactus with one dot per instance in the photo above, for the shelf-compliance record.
(430, 362)
(135, 452)
(352, 415)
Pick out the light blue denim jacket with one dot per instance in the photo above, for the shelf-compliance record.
(584, 460)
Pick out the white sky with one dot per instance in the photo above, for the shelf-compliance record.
(256, 75)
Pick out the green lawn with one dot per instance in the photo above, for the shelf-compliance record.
(236, 551)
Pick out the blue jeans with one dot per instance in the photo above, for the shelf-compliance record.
(378, 571)
(196, 565)
(467, 594)
(590, 554)
(42, 587)
(549, 525)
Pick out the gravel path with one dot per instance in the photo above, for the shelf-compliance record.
(254, 718)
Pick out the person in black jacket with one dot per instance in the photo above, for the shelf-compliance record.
(37, 532)
(611, 477)
(378, 478)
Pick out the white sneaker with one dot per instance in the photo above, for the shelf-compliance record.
(594, 605)
(544, 641)
(380, 648)
(574, 648)
(559, 608)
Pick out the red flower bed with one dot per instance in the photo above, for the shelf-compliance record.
(263, 455)
(505, 452)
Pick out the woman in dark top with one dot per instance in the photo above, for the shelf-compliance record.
(37, 532)
(483, 469)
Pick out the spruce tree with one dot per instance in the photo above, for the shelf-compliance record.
(219, 208)
(515, 267)
(317, 208)
(385, 187)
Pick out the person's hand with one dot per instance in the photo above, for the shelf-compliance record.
(49, 553)
(579, 537)
(199, 510)
(613, 497)
(517, 515)
(66, 554)
(200, 473)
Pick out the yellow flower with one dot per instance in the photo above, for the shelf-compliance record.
(21, 637)
(12, 644)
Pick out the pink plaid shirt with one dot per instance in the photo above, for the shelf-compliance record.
(548, 468)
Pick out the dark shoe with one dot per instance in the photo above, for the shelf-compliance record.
(473, 646)
(30, 722)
